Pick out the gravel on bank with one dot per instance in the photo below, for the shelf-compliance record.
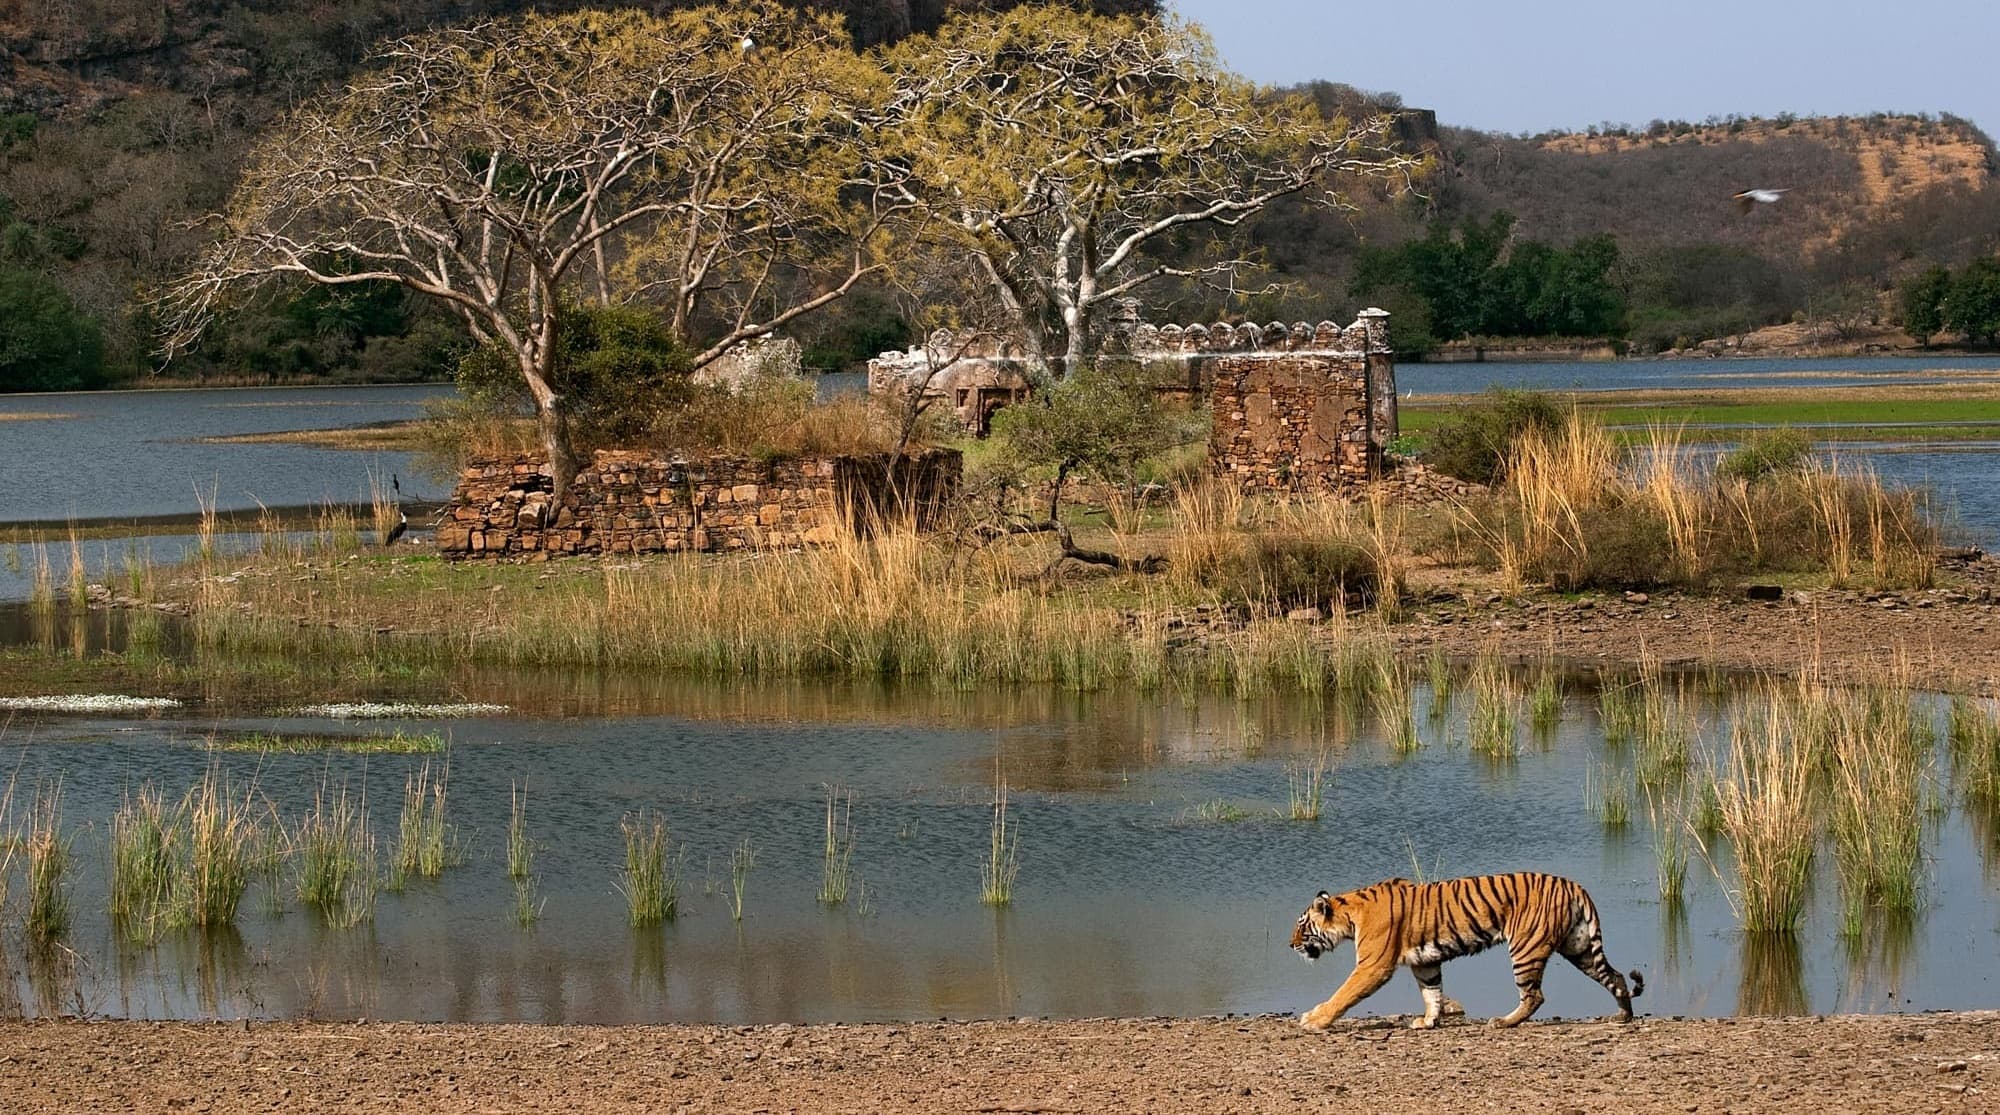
(1897, 1063)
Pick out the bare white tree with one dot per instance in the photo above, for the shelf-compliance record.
(1068, 156)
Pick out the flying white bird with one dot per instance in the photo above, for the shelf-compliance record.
(1748, 199)
(747, 45)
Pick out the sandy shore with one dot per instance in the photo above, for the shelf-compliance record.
(1939, 1062)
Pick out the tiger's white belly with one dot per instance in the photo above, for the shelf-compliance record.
(1437, 952)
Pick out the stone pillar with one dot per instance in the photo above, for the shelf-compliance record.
(1383, 421)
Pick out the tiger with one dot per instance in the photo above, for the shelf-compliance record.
(1422, 925)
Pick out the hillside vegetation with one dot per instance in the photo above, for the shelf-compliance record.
(123, 120)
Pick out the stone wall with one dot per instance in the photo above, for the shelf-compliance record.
(1299, 413)
(627, 502)
(1298, 407)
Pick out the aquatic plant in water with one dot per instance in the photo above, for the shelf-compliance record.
(651, 882)
(1305, 785)
(742, 859)
(837, 848)
(1002, 863)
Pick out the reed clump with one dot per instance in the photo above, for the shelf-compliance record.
(1768, 812)
(426, 842)
(1306, 781)
(1875, 761)
(521, 847)
(1493, 725)
(1002, 864)
(146, 837)
(836, 874)
(1609, 796)
(335, 858)
(222, 838)
(651, 882)
(742, 860)
(46, 859)
(1668, 819)
(1395, 705)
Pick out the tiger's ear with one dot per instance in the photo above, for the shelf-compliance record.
(1323, 903)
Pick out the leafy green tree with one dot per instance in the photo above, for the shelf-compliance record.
(1973, 306)
(616, 369)
(46, 342)
(1102, 420)
(1923, 297)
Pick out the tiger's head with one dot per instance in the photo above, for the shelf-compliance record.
(1321, 927)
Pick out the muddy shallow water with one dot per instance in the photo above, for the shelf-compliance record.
(1132, 898)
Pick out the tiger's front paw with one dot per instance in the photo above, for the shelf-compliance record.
(1314, 1020)
(1423, 1023)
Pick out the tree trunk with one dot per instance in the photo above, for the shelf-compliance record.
(555, 441)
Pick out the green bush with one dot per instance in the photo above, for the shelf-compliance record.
(46, 342)
(1472, 444)
(617, 368)
(1764, 454)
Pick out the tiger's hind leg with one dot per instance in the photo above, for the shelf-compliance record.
(1531, 960)
(1589, 959)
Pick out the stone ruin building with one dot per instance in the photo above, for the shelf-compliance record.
(1302, 408)
(1297, 407)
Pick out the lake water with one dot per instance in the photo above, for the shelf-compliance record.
(1662, 375)
(1128, 902)
(116, 454)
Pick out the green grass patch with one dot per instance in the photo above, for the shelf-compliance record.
(395, 743)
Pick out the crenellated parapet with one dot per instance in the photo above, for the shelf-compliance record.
(1366, 334)
(1302, 406)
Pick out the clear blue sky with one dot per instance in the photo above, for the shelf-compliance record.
(1535, 65)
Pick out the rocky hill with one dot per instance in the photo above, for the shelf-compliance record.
(1672, 182)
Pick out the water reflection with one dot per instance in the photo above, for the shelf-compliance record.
(1772, 981)
(1879, 959)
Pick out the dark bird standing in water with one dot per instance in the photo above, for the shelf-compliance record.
(395, 532)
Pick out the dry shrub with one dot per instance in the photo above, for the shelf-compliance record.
(1571, 516)
(1317, 554)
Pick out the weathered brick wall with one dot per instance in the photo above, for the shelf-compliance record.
(1297, 408)
(1291, 421)
(635, 502)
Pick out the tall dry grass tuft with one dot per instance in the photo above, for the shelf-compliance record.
(1767, 810)
(46, 855)
(79, 580)
(1826, 490)
(1876, 764)
(1493, 725)
(384, 508)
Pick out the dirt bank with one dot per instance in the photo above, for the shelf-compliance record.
(1878, 1063)
(1947, 637)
